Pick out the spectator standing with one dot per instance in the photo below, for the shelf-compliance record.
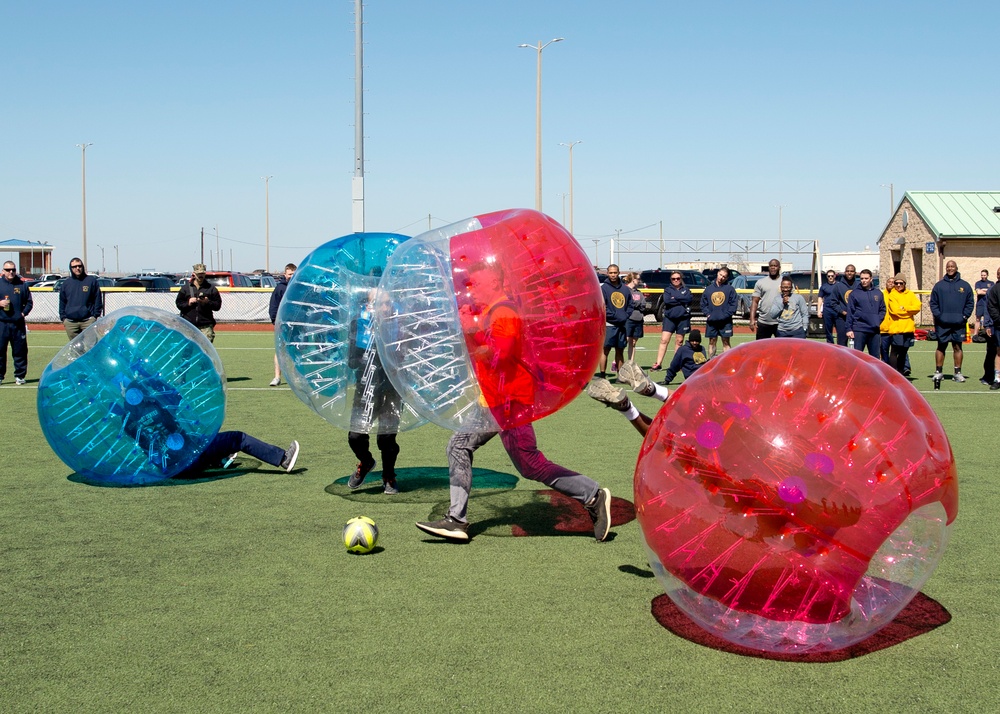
(80, 299)
(865, 312)
(676, 316)
(991, 322)
(617, 308)
(845, 285)
(951, 305)
(198, 301)
(272, 310)
(983, 286)
(688, 357)
(15, 304)
(792, 312)
(900, 307)
(833, 310)
(633, 326)
(766, 293)
(719, 303)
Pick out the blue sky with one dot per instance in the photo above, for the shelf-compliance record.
(705, 116)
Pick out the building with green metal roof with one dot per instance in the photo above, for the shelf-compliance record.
(929, 228)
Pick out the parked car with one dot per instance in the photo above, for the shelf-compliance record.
(661, 279)
(262, 281)
(228, 279)
(745, 282)
(44, 284)
(150, 283)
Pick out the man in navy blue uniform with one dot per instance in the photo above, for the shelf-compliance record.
(845, 285)
(719, 302)
(833, 309)
(865, 312)
(983, 286)
(617, 308)
(951, 305)
(80, 299)
(687, 358)
(272, 310)
(15, 304)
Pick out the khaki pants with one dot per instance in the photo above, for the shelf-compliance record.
(209, 332)
(75, 327)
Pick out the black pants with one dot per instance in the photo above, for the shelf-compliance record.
(989, 363)
(14, 334)
(387, 446)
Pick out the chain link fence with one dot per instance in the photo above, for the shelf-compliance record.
(239, 305)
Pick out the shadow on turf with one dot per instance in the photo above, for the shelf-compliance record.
(525, 513)
(421, 484)
(920, 616)
(244, 466)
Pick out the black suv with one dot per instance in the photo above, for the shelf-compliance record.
(659, 279)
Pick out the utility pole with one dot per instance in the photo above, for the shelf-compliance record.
(83, 183)
(358, 182)
(267, 225)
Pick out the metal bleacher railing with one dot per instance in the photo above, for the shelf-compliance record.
(239, 305)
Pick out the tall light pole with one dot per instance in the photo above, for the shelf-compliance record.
(102, 260)
(892, 197)
(570, 145)
(779, 232)
(117, 265)
(358, 181)
(597, 257)
(563, 197)
(83, 183)
(538, 120)
(267, 223)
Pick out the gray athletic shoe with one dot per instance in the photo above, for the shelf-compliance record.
(291, 456)
(447, 528)
(641, 384)
(959, 377)
(603, 391)
(600, 514)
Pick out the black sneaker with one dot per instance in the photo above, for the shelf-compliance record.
(600, 514)
(358, 477)
(291, 456)
(906, 371)
(389, 487)
(995, 386)
(447, 528)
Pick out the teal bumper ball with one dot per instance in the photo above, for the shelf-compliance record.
(134, 399)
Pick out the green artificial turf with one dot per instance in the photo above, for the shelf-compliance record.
(234, 593)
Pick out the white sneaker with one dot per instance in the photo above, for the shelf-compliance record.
(959, 377)
(276, 381)
(18, 380)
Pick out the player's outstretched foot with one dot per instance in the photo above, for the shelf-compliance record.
(291, 456)
(606, 393)
(632, 373)
(600, 513)
(447, 528)
(358, 477)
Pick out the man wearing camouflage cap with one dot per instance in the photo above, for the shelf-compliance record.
(198, 302)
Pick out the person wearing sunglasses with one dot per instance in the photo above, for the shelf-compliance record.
(15, 304)
(898, 326)
(676, 317)
(832, 309)
(80, 299)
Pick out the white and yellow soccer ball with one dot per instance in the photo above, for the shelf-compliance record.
(360, 535)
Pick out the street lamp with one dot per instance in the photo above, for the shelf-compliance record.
(563, 197)
(538, 120)
(892, 197)
(102, 259)
(267, 224)
(570, 145)
(83, 152)
(118, 269)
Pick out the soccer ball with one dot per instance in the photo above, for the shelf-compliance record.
(360, 535)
